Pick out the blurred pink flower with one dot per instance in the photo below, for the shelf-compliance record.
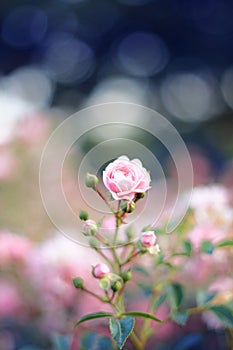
(204, 232)
(211, 205)
(10, 301)
(13, 248)
(7, 163)
(32, 129)
(56, 261)
(109, 223)
(50, 268)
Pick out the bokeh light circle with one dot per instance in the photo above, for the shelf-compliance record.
(142, 54)
(24, 26)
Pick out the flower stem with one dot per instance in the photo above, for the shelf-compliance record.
(105, 199)
(136, 342)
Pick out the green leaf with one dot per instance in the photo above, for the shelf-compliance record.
(188, 247)
(94, 341)
(204, 297)
(121, 329)
(226, 243)
(223, 313)
(93, 316)
(180, 254)
(141, 269)
(160, 301)
(61, 342)
(207, 247)
(168, 264)
(142, 314)
(175, 295)
(180, 317)
(146, 287)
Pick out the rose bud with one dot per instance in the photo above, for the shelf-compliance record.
(148, 239)
(91, 181)
(100, 270)
(126, 275)
(78, 282)
(83, 215)
(89, 228)
(116, 286)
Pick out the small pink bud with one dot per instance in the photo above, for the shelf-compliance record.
(89, 228)
(100, 270)
(148, 239)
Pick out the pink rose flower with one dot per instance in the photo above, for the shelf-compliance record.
(100, 270)
(148, 239)
(124, 178)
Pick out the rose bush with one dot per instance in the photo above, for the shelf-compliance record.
(124, 178)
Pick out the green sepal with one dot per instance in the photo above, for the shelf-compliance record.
(104, 283)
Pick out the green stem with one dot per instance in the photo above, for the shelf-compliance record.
(105, 200)
(114, 251)
(130, 258)
(105, 258)
(99, 297)
(136, 342)
(146, 331)
(102, 239)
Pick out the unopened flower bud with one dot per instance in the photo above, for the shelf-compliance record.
(100, 270)
(91, 181)
(78, 283)
(94, 243)
(148, 239)
(130, 233)
(83, 215)
(89, 228)
(126, 275)
(128, 207)
(116, 286)
(104, 283)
